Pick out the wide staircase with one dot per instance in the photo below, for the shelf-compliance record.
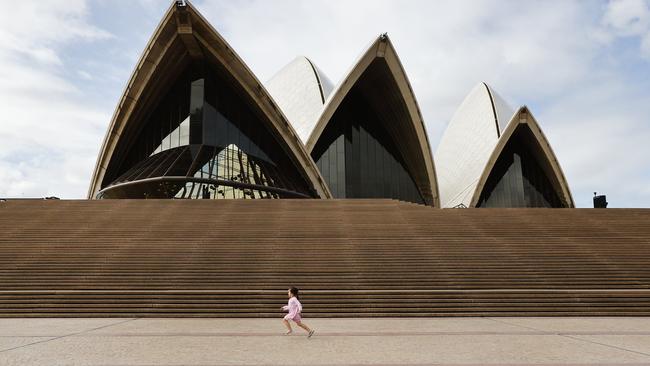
(236, 258)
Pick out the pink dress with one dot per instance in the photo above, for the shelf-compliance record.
(294, 307)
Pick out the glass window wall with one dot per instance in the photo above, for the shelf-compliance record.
(206, 130)
(518, 178)
(358, 158)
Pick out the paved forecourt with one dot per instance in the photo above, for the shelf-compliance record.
(378, 341)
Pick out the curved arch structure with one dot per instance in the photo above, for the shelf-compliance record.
(194, 122)
(491, 156)
(300, 89)
(522, 171)
(370, 139)
(468, 142)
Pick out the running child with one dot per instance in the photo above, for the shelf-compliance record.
(294, 307)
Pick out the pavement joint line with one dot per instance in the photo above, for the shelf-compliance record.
(67, 335)
(49, 338)
(319, 334)
(571, 336)
(344, 334)
(516, 325)
(106, 326)
(401, 364)
(606, 345)
(336, 334)
(353, 334)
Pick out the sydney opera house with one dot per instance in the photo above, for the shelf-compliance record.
(194, 122)
(214, 192)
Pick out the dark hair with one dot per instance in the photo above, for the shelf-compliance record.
(294, 291)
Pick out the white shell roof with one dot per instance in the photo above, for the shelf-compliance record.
(300, 89)
(467, 144)
(184, 28)
(382, 48)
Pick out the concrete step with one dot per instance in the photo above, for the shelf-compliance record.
(350, 257)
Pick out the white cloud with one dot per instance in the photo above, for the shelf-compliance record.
(84, 75)
(50, 21)
(600, 139)
(48, 131)
(645, 46)
(35, 28)
(629, 18)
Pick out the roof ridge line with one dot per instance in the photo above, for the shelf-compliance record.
(320, 83)
(494, 110)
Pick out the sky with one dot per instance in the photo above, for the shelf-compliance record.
(582, 67)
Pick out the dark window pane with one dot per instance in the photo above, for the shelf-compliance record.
(359, 159)
(518, 178)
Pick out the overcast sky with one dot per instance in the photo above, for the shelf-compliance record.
(583, 68)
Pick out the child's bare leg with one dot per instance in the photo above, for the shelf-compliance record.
(286, 323)
(303, 326)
